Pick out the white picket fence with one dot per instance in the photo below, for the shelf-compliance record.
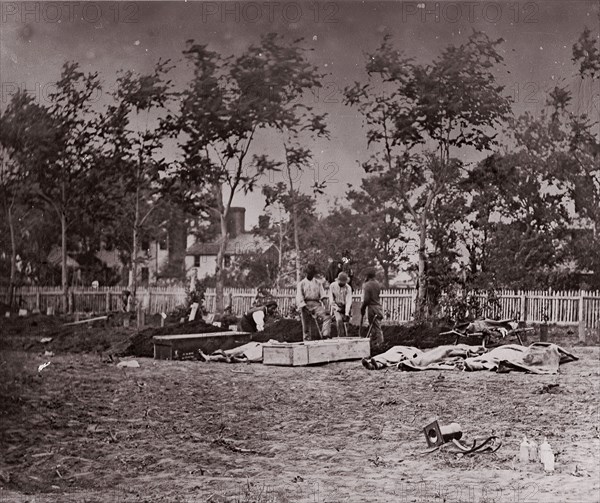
(561, 307)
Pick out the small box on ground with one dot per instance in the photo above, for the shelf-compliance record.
(313, 352)
(174, 347)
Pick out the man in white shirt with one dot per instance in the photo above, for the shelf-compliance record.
(340, 300)
(254, 320)
(309, 296)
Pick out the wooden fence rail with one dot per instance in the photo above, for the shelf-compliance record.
(562, 308)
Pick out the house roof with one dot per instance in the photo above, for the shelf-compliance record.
(243, 243)
(55, 258)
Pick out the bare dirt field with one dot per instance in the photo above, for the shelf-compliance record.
(84, 430)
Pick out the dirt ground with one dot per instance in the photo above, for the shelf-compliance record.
(84, 430)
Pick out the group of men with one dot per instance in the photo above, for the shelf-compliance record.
(310, 297)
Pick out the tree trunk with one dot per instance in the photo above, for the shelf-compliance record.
(220, 269)
(386, 274)
(64, 269)
(220, 266)
(280, 256)
(134, 250)
(13, 256)
(422, 292)
(294, 223)
(296, 242)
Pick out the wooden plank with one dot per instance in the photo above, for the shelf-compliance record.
(315, 352)
(90, 320)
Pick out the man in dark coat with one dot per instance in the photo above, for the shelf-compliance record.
(372, 305)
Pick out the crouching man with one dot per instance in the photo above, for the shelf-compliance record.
(254, 320)
(309, 296)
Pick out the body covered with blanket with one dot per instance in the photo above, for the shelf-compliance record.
(539, 358)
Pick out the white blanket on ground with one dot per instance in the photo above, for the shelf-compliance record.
(441, 358)
(251, 352)
(539, 358)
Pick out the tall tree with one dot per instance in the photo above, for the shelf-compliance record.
(133, 138)
(227, 102)
(25, 142)
(60, 175)
(452, 103)
(381, 221)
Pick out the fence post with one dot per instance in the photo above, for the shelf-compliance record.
(108, 302)
(581, 317)
(523, 306)
(38, 300)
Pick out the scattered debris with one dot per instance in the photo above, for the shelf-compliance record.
(579, 472)
(378, 461)
(45, 340)
(549, 388)
(43, 366)
(230, 446)
(297, 479)
(48, 353)
(129, 363)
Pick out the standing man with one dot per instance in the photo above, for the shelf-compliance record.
(371, 292)
(340, 300)
(309, 296)
(254, 320)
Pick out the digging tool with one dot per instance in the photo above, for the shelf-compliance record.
(376, 317)
(370, 327)
(317, 323)
(362, 320)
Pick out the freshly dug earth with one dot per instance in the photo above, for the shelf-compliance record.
(83, 430)
(111, 337)
(417, 335)
(98, 337)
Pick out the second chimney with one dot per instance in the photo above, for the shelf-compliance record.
(236, 221)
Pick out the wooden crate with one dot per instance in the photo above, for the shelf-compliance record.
(313, 352)
(175, 347)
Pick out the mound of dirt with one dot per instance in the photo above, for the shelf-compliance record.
(417, 335)
(283, 330)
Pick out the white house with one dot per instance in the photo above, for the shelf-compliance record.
(201, 258)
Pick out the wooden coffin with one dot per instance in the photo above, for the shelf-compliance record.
(314, 352)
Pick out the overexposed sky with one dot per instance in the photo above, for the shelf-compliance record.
(36, 38)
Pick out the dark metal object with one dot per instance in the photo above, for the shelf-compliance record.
(436, 434)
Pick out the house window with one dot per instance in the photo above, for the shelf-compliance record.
(145, 244)
(196, 260)
(163, 244)
(227, 261)
(145, 275)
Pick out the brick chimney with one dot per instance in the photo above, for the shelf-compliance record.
(236, 221)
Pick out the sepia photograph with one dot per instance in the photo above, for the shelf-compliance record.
(300, 251)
